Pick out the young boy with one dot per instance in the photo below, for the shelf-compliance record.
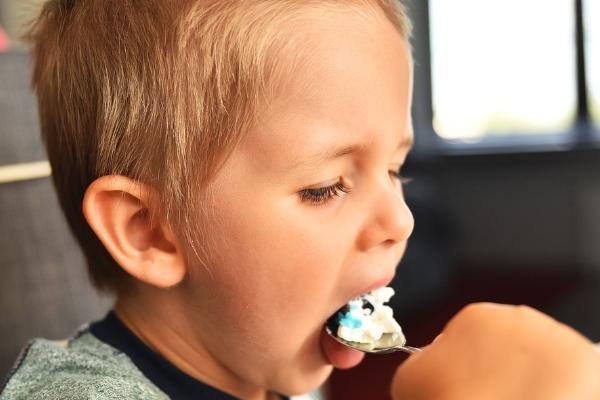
(230, 169)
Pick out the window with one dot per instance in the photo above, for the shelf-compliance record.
(591, 9)
(501, 68)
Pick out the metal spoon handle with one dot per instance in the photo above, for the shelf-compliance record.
(408, 349)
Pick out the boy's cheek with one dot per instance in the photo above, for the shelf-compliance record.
(253, 324)
(269, 272)
(264, 247)
(264, 264)
(258, 303)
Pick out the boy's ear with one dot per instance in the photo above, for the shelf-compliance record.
(118, 211)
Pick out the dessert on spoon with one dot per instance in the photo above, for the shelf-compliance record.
(368, 325)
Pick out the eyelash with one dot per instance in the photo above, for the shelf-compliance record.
(322, 195)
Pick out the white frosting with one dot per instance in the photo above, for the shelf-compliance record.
(361, 325)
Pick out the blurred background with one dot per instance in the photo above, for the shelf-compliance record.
(505, 190)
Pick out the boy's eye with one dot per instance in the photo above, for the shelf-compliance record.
(321, 195)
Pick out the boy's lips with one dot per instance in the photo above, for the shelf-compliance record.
(372, 286)
(337, 354)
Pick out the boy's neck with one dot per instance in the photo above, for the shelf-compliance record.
(166, 339)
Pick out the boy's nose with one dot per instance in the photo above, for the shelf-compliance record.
(390, 221)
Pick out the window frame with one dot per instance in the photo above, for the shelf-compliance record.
(582, 133)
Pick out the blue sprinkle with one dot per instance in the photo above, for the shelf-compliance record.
(349, 321)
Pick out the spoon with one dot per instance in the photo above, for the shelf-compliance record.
(384, 345)
(388, 343)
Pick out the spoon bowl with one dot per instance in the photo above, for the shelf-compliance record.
(389, 343)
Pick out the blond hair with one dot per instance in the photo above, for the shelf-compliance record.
(160, 91)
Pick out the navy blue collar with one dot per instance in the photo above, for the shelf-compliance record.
(168, 378)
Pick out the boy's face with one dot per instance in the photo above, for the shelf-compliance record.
(282, 254)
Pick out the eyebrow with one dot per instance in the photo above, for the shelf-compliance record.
(405, 143)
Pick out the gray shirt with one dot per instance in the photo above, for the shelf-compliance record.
(82, 367)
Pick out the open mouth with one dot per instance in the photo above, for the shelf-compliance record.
(335, 352)
(366, 322)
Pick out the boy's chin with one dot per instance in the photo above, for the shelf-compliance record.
(316, 364)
